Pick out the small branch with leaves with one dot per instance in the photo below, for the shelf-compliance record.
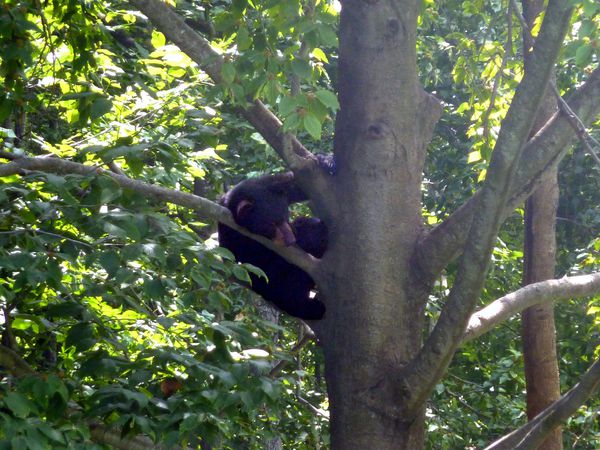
(445, 242)
(205, 207)
(301, 161)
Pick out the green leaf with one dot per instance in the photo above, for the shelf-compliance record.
(199, 277)
(328, 98)
(110, 190)
(328, 36)
(18, 404)
(292, 122)
(154, 288)
(239, 94)
(269, 388)
(56, 386)
(583, 55)
(302, 68)
(110, 261)
(272, 90)
(52, 434)
(240, 273)
(243, 39)
(312, 125)
(228, 72)
(100, 107)
(287, 105)
(136, 397)
(255, 270)
(320, 55)
(158, 39)
(591, 8)
(474, 156)
(81, 336)
(223, 253)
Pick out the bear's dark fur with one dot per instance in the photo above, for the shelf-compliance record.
(261, 205)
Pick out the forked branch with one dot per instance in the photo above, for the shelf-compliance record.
(445, 242)
(421, 375)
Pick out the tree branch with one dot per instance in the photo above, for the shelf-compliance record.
(445, 242)
(302, 162)
(204, 207)
(427, 368)
(543, 292)
(532, 434)
(584, 137)
(209, 60)
(11, 361)
(308, 337)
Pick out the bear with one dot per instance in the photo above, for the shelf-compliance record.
(262, 206)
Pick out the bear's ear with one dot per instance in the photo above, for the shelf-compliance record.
(243, 208)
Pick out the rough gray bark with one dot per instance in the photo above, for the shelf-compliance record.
(382, 130)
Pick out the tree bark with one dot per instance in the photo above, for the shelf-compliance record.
(373, 326)
(538, 327)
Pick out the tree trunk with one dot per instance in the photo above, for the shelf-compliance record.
(373, 326)
(538, 328)
(539, 333)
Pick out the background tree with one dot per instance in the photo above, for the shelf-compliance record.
(539, 331)
(116, 313)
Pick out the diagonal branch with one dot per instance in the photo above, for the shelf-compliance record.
(302, 162)
(578, 126)
(543, 292)
(445, 242)
(532, 434)
(421, 375)
(204, 207)
(13, 363)
(210, 61)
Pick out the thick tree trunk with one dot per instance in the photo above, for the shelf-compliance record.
(373, 326)
(538, 328)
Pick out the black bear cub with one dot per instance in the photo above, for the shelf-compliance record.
(261, 205)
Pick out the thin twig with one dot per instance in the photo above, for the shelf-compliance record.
(47, 233)
(498, 77)
(295, 350)
(313, 408)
